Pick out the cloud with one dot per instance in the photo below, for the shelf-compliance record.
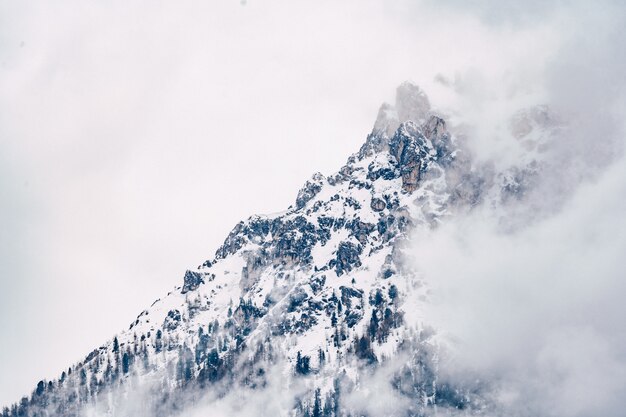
(537, 310)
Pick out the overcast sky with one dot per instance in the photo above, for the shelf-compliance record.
(135, 135)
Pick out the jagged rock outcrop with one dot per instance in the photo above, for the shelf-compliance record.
(408, 146)
(191, 281)
(309, 190)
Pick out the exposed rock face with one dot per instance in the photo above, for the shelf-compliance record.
(309, 190)
(435, 130)
(411, 104)
(347, 257)
(410, 150)
(172, 320)
(191, 281)
(411, 135)
(377, 204)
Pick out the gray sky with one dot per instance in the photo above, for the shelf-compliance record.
(134, 136)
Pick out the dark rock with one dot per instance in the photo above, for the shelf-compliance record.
(360, 230)
(347, 257)
(408, 147)
(246, 311)
(404, 219)
(192, 280)
(435, 130)
(233, 242)
(360, 185)
(377, 204)
(381, 168)
(352, 203)
(384, 224)
(392, 201)
(317, 283)
(293, 240)
(296, 299)
(257, 227)
(353, 317)
(309, 190)
(339, 223)
(376, 142)
(172, 321)
(348, 292)
(255, 262)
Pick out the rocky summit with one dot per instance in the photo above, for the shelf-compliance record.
(317, 303)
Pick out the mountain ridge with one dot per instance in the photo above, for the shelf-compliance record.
(320, 293)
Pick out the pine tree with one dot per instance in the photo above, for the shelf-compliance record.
(125, 362)
(393, 292)
(336, 396)
(303, 364)
(93, 384)
(158, 342)
(116, 345)
(40, 388)
(321, 356)
(317, 404)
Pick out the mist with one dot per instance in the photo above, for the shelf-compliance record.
(536, 310)
(540, 309)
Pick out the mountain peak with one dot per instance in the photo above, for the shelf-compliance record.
(411, 103)
(386, 121)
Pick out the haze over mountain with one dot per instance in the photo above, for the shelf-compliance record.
(109, 185)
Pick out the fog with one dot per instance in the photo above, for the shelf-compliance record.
(537, 309)
(134, 136)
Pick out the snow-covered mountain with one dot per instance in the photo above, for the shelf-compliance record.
(319, 301)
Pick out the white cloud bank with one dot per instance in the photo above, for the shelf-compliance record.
(541, 309)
